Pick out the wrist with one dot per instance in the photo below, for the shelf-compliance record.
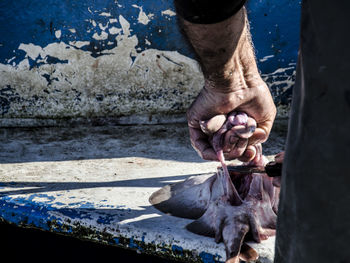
(234, 71)
(225, 53)
(239, 73)
(215, 43)
(225, 78)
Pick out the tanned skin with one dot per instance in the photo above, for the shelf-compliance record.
(232, 83)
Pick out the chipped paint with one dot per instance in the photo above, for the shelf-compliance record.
(102, 36)
(92, 213)
(113, 20)
(125, 25)
(114, 30)
(58, 33)
(135, 80)
(266, 58)
(148, 42)
(79, 44)
(122, 59)
(143, 18)
(281, 82)
(31, 50)
(168, 12)
(105, 14)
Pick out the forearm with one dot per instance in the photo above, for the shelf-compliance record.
(232, 83)
(224, 51)
(216, 45)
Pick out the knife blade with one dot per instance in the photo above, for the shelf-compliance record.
(272, 169)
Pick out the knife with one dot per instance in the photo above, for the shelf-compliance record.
(272, 169)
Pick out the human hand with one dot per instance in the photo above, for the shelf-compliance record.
(232, 83)
(209, 111)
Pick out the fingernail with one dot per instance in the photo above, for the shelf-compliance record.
(202, 124)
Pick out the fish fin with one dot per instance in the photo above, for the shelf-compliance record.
(248, 253)
(160, 195)
(187, 199)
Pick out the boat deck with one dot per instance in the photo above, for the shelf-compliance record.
(94, 183)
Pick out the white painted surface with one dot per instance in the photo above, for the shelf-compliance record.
(169, 12)
(106, 175)
(123, 81)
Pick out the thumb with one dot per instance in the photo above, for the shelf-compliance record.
(261, 133)
(212, 125)
(259, 136)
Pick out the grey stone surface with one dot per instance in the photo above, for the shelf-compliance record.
(94, 183)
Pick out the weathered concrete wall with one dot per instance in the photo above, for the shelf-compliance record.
(120, 60)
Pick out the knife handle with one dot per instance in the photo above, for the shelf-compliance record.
(273, 169)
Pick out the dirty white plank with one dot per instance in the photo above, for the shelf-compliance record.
(94, 183)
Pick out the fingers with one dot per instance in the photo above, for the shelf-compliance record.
(212, 125)
(259, 136)
(235, 142)
(248, 155)
(236, 139)
(246, 130)
(238, 148)
(201, 144)
(230, 140)
(250, 152)
(201, 139)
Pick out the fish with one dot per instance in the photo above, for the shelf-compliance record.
(229, 206)
(211, 201)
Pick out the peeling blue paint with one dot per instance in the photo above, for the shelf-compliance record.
(106, 219)
(97, 25)
(134, 245)
(177, 249)
(274, 32)
(28, 212)
(207, 257)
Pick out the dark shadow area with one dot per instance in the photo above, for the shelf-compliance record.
(25, 245)
(46, 246)
(165, 142)
(39, 187)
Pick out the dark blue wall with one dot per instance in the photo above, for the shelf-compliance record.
(274, 27)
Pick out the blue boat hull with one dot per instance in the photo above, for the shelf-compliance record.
(94, 59)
